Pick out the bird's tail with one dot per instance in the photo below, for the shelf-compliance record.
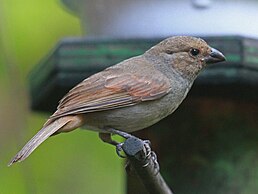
(48, 129)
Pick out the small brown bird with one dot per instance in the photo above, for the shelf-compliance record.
(131, 95)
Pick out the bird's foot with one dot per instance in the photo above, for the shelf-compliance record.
(151, 155)
(119, 150)
(106, 137)
(147, 143)
(155, 162)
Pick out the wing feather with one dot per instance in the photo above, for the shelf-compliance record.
(98, 93)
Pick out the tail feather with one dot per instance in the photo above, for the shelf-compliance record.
(40, 137)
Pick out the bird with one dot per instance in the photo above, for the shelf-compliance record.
(131, 95)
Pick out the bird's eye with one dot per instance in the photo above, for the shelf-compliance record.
(194, 51)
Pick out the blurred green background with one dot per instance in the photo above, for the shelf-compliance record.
(77, 162)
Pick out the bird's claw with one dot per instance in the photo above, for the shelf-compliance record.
(119, 149)
(147, 142)
(155, 162)
(150, 155)
(147, 145)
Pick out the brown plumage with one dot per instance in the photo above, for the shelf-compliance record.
(131, 95)
(104, 92)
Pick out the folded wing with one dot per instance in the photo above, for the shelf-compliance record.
(107, 92)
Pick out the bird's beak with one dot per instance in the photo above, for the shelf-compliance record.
(214, 57)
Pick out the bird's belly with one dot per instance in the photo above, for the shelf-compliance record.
(135, 117)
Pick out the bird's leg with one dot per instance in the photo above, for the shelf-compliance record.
(120, 133)
(106, 137)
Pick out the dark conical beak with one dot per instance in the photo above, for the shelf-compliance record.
(214, 57)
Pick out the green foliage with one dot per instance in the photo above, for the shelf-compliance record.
(73, 163)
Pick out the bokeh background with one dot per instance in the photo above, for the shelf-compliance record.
(219, 140)
(74, 163)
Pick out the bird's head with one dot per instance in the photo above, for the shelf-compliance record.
(187, 55)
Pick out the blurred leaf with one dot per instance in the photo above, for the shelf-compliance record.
(74, 163)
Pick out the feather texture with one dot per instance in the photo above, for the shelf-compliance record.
(39, 138)
(110, 92)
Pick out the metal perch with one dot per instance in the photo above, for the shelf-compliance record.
(144, 162)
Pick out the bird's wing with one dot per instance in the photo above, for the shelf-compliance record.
(99, 93)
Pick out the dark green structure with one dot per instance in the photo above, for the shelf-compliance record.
(210, 144)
